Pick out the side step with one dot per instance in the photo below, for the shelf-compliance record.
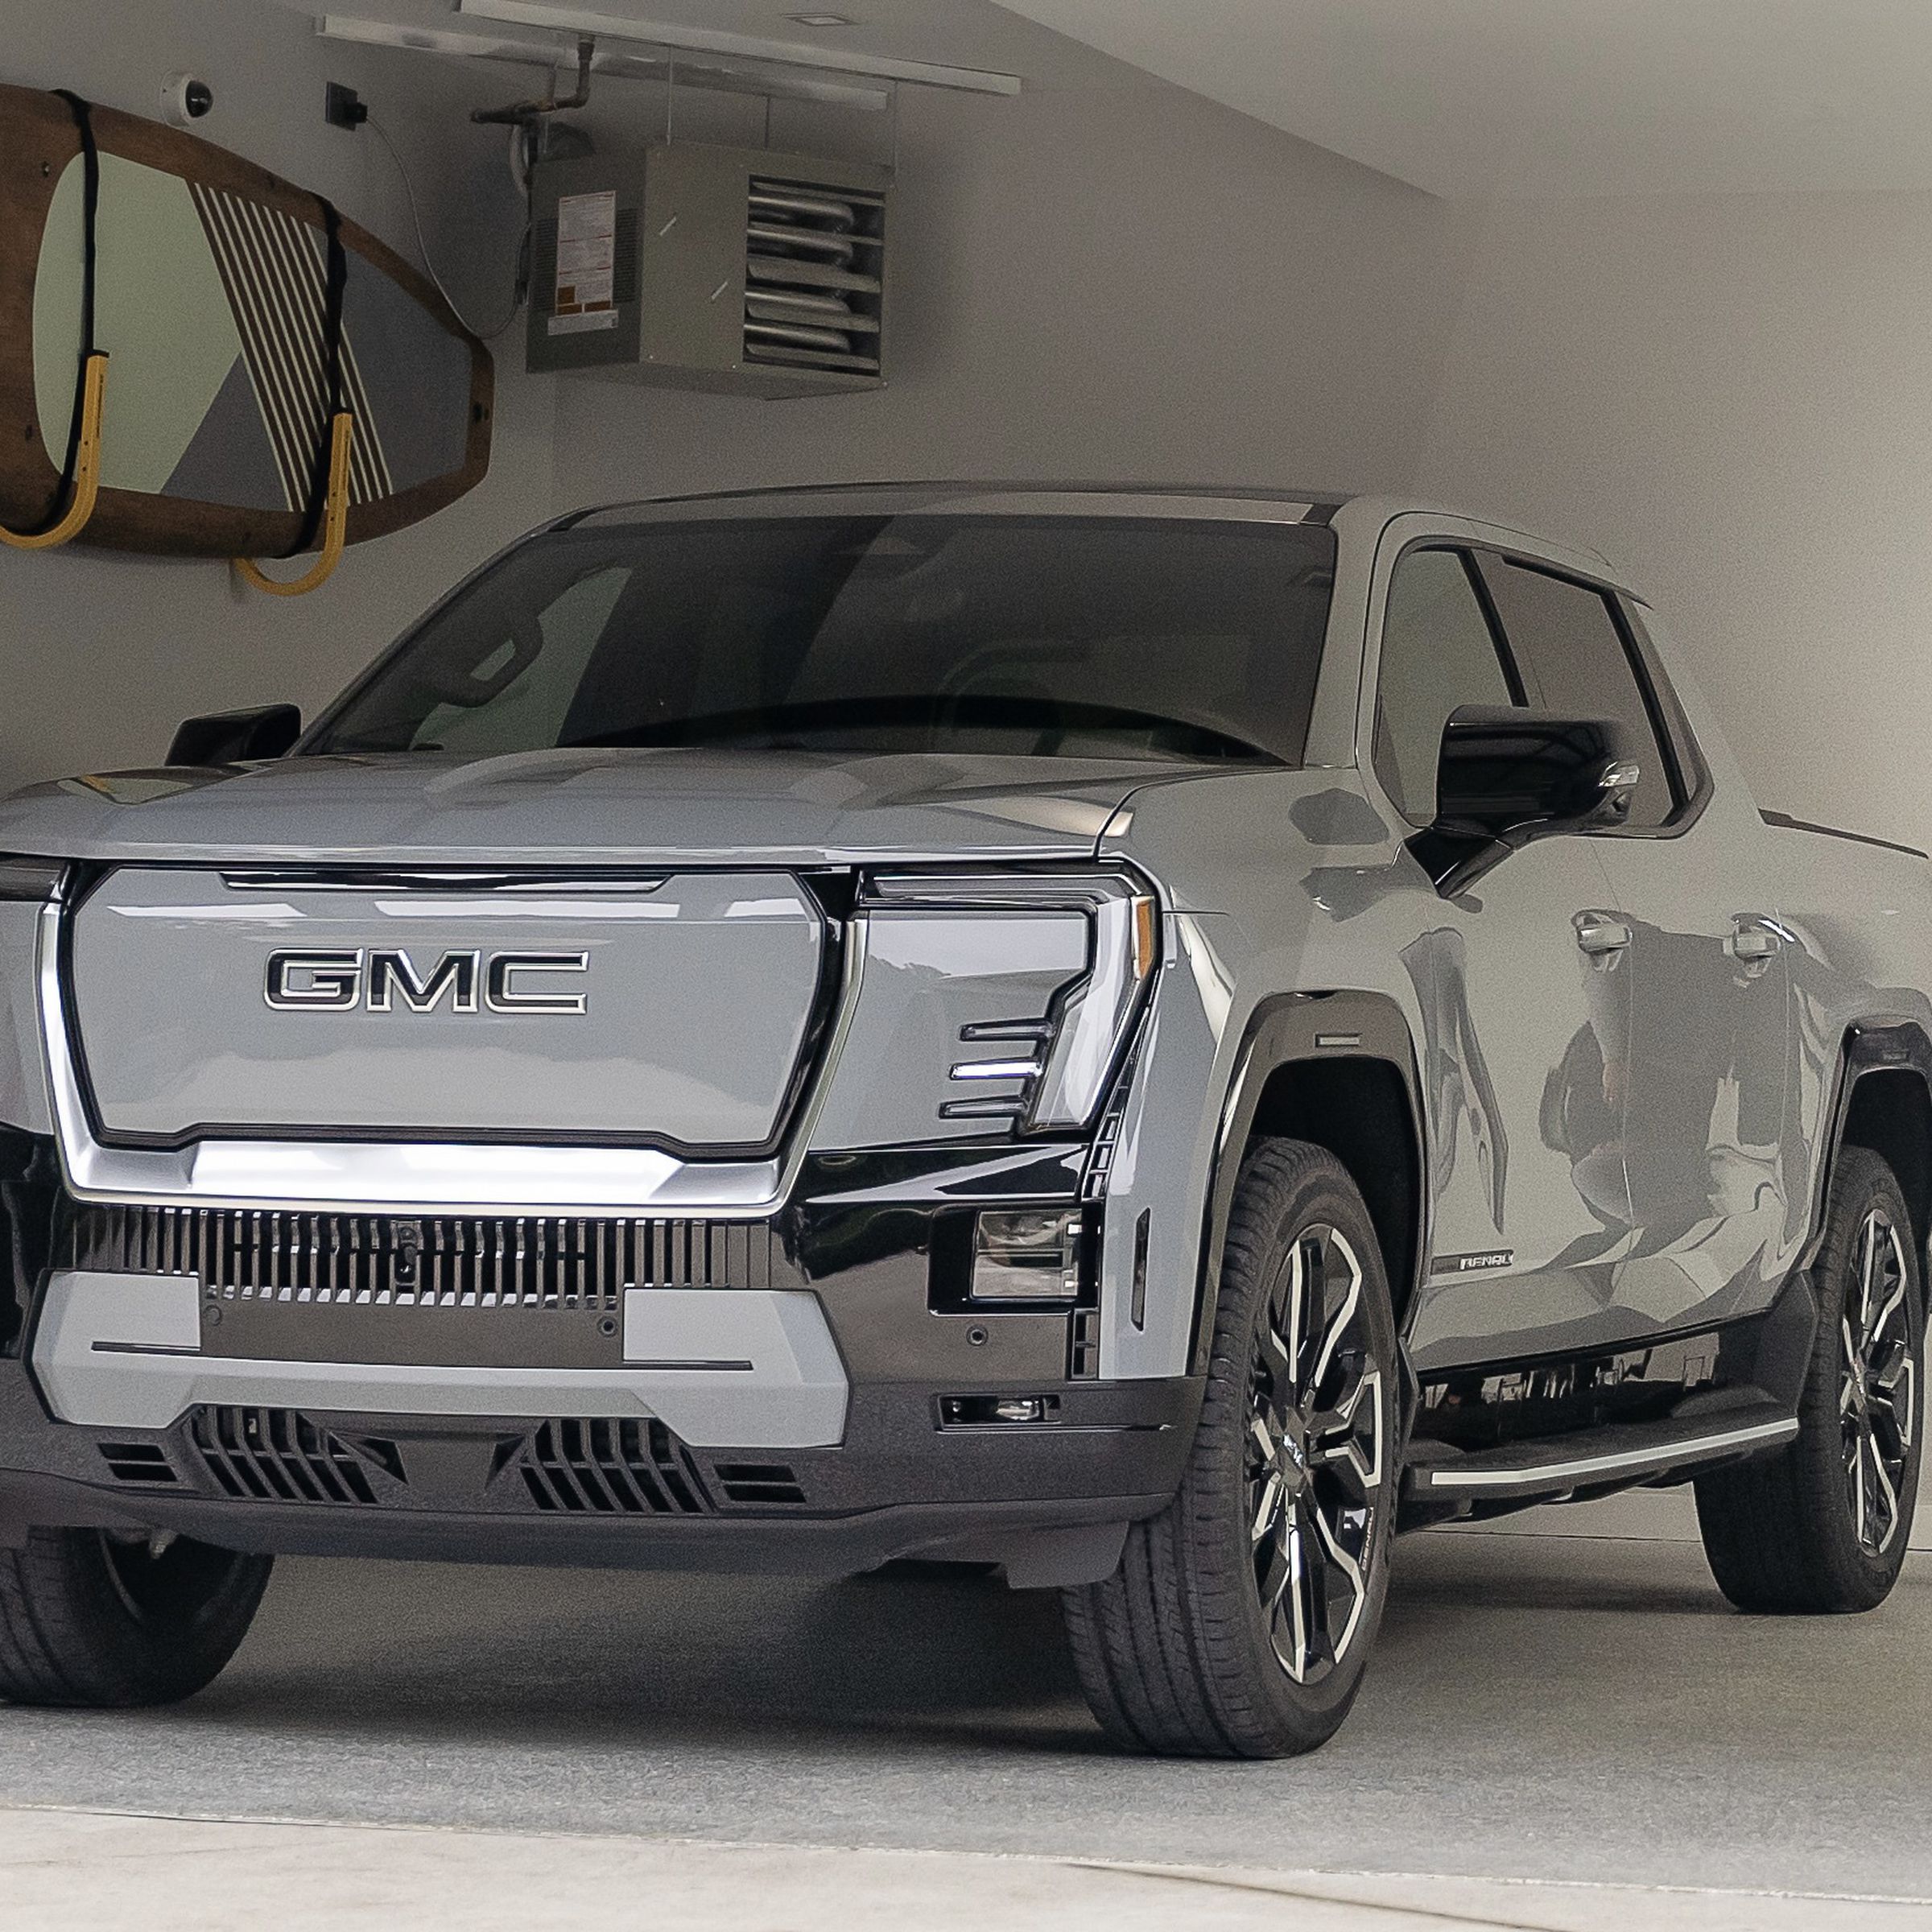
(1592, 1462)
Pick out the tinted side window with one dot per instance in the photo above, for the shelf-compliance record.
(1575, 662)
(1438, 654)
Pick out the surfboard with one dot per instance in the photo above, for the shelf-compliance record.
(210, 302)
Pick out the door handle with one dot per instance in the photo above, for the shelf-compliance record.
(1754, 941)
(1598, 933)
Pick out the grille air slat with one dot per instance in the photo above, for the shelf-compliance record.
(759, 1483)
(138, 1462)
(588, 1467)
(427, 1262)
(607, 1467)
(277, 1455)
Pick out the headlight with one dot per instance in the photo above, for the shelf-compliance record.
(1062, 1060)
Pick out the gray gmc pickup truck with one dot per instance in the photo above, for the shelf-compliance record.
(1149, 1039)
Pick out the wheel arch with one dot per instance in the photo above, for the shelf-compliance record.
(1883, 1101)
(1337, 1069)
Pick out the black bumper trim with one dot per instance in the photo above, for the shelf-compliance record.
(461, 1489)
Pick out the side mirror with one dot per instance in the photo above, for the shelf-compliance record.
(1507, 776)
(236, 737)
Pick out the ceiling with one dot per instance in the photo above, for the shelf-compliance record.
(1558, 97)
(953, 33)
(1542, 98)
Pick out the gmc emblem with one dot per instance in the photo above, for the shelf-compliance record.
(382, 981)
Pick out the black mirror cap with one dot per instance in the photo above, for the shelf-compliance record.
(1511, 771)
(236, 737)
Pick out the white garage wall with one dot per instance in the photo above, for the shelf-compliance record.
(1119, 282)
(100, 654)
(1729, 395)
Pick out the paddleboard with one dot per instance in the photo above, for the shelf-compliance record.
(210, 302)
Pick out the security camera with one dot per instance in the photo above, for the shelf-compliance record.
(186, 99)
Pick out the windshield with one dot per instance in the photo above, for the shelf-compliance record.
(1188, 640)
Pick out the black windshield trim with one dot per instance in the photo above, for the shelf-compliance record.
(983, 711)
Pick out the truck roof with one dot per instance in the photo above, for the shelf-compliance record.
(1005, 495)
(1315, 505)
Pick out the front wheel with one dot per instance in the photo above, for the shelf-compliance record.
(1823, 1526)
(89, 1617)
(1240, 1621)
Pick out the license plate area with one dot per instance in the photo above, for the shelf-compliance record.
(385, 1335)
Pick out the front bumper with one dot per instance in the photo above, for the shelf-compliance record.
(812, 1394)
(1048, 1502)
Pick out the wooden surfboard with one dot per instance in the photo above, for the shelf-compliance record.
(211, 283)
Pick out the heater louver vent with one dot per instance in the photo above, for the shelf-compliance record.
(741, 270)
(813, 276)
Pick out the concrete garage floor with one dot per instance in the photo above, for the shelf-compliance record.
(1567, 1714)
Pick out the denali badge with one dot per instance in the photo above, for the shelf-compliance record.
(380, 981)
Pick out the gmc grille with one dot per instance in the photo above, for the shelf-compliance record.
(431, 1261)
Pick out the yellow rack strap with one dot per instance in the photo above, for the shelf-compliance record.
(335, 521)
(87, 468)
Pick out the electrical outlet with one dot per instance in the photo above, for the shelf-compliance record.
(343, 107)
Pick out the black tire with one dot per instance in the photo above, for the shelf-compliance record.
(1823, 1527)
(1175, 1651)
(96, 1620)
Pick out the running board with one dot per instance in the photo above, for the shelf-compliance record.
(1592, 1462)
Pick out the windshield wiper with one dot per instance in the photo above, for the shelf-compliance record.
(788, 727)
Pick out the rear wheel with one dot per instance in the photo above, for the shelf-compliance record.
(92, 1618)
(1823, 1526)
(1240, 1619)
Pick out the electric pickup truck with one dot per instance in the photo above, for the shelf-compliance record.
(1146, 1039)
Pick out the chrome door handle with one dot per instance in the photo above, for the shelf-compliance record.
(1597, 933)
(1753, 941)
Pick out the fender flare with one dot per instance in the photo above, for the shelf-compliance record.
(1283, 1030)
(1880, 1043)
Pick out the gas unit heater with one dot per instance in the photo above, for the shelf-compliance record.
(718, 268)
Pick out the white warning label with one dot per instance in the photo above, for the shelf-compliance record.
(586, 263)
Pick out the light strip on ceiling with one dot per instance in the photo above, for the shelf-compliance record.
(702, 40)
(435, 40)
(727, 77)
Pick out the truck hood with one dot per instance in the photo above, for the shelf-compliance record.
(673, 805)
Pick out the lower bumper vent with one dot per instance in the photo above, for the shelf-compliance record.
(276, 1456)
(138, 1463)
(759, 1483)
(586, 1467)
(611, 1468)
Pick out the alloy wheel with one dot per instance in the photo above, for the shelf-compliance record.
(1317, 1451)
(1877, 1391)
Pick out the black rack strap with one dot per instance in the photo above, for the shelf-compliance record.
(335, 281)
